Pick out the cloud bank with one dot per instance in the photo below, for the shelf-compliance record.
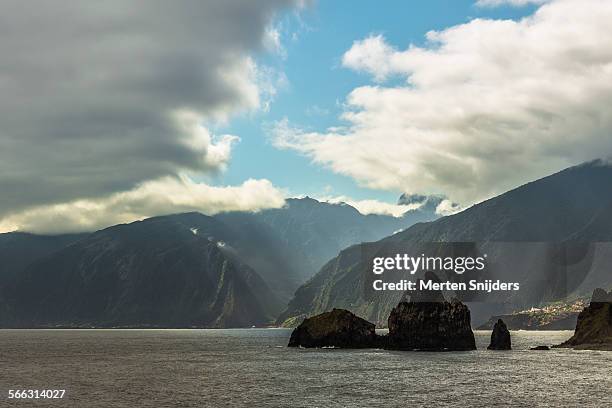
(367, 207)
(159, 197)
(483, 107)
(99, 98)
(435, 204)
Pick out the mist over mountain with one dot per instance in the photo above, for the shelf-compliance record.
(552, 235)
(427, 203)
(314, 231)
(231, 270)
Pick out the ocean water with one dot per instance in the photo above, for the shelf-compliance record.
(254, 368)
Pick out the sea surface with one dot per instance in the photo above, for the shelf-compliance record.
(254, 368)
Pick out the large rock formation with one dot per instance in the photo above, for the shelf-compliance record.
(500, 337)
(426, 322)
(338, 328)
(430, 326)
(429, 322)
(594, 327)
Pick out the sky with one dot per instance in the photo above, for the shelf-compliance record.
(124, 112)
(314, 43)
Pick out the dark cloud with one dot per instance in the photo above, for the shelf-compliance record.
(89, 91)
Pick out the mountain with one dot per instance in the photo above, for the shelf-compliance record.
(288, 245)
(551, 235)
(231, 270)
(314, 231)
(550, 209)
(172, 271)
(19, 249)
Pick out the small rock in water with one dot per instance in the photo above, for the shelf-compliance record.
(500, 338)
(540, 348)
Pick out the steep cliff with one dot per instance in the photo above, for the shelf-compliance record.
(594, 326)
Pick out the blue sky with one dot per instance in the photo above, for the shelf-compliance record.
(314, 43)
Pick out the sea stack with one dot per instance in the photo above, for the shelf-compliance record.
(500, 337)
(429, 323)
(338, 328)
(594, 326)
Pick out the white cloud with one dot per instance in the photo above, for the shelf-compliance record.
(514, 3)
(372, 206)
(214, 154)
(159, 197)
(365, 207)
(270, 81)
(372, 55)
(447, 207)
(273, 43)
(486, 105)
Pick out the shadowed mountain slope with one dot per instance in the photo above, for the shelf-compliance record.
(552, 235)
(172, 271)
(233, 269)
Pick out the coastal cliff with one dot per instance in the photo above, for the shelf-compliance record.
(594, 326)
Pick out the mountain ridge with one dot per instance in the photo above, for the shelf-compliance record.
(529, 228)
(105, 278)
